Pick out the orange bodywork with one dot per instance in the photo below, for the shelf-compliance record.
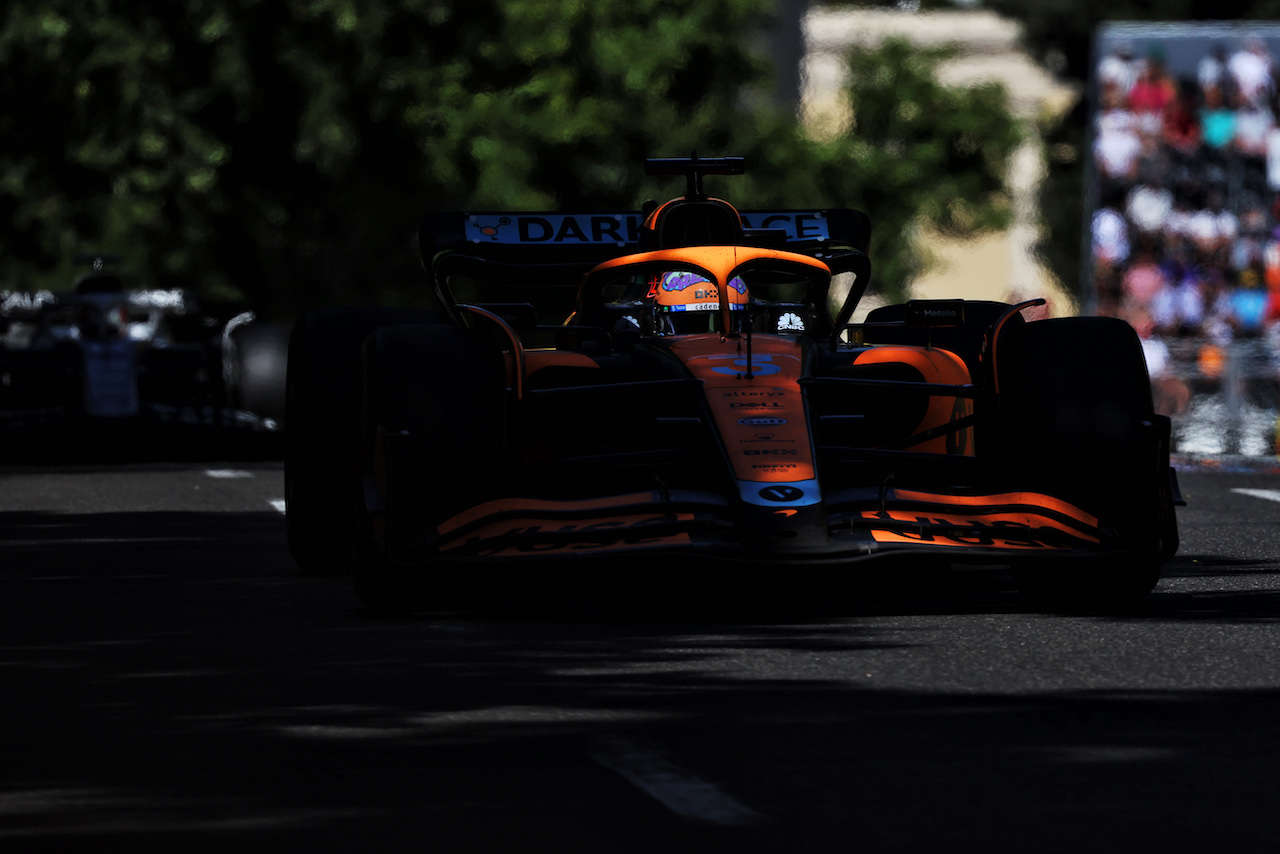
(621, 533)
(709, 399)
(612, 523)
(530, 506)
(1005, 520)
(753, 393)
(1036, 499)
(719, 261)
(936, 366)
(759, 412)
(978, 529)
(536, 360)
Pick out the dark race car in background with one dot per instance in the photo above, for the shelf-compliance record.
(708, 416)
(107, 365)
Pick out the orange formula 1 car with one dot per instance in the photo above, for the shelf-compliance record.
(708, 397)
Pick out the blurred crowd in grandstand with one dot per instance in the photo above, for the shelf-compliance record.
(1186, 229)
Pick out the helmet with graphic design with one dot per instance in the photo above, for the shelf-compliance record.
(685, 302)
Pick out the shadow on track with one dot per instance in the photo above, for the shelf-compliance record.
(129, 442)
(172, 682)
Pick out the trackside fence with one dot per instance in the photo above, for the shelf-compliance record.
(1223, 398)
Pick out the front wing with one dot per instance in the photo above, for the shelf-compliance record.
(1000, 527)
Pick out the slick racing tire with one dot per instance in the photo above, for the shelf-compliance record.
(322, 430)
(1075, 403)
(434, 421)
(257, 357)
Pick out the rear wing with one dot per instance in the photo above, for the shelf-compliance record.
(509, 258)
(582, 238)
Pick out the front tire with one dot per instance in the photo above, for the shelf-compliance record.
(1075, 405)
(322, 429)
(435, 412)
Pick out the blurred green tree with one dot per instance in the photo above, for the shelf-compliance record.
(281, 153)
(930, 159)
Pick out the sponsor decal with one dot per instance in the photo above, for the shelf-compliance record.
(620, 229)
(1014, 531)
(758, 404)
(770, 452)
(946, 312)
(494, 230)
(766, 437)
(110, 378)
(625, 532)
(790, 322)
(753, 394)
(762, 422)
(561, 229)
(17, 300)
(761, 365)
(172, 298)
(798, 226)
(781, 492)
(776, 468)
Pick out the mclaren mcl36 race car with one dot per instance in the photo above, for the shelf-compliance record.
(107, 362)
(621, 390)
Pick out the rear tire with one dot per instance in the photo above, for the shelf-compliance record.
(258, 353)
(322, 430)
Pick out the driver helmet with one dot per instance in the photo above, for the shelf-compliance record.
(686, 303)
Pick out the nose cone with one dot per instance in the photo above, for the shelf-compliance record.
(784, 531)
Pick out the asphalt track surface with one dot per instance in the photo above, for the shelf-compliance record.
(169, 682)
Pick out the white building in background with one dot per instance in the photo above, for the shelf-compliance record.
(997, 266)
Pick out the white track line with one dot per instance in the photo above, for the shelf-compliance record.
(278, 503)
(227, 474)
(1269, 494)
(654, 773)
